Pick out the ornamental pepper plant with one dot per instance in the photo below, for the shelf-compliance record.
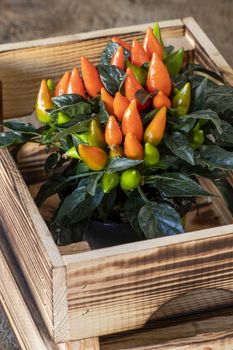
(128, 138)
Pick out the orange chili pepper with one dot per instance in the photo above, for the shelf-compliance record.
(132, 147)
(61, 87)
(118, 59)
(122, 43)
(138, 54)
(161, 100)
(131, 121)
(94, 157)
(151, 44)
(75, 85)
(132, 86)
(120, 104)
(91, 77)
(113, 134)
(155, 130)
(107, 100)
(158, 77)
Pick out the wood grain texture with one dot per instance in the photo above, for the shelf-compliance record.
(212, 331)
(116, 289)
(33, 245)
(51, 58)
(205, 51)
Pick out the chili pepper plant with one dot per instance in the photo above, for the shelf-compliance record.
(127, 139)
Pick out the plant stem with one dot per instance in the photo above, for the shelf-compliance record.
(142, 194)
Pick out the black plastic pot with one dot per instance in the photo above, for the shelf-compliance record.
(102, 235)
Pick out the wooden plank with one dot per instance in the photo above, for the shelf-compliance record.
(211, 331)
(203, 44)
(117, 289)
(31, 241)
(166, 26)
(51, 60)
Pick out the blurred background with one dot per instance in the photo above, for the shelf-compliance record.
(32, 19)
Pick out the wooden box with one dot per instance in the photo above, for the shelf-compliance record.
(87, 294)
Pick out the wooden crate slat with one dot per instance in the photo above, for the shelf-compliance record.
(36, 251)
(118, 288)
(201, 42)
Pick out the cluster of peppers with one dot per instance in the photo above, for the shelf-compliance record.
(124, 134)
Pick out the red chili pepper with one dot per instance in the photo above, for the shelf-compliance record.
(132, 122)
(158, 77)
(91, 77)
(118, 59)
(61, 87)
(75, 85)
(122, 43)
(151, 44)
(138, 54)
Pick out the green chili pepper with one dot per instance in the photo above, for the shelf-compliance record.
(130, 179)
(72, 153)
(82, 137)
(198, 138)
(62, 118)
(157, 34)
(181, 101)
(151, 154)
(95, 135)
(139, 73)
(109, 181)
(173, 62)
(51, 86)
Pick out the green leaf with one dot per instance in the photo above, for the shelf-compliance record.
(165, 162)
(226, 136)
(176, 185)
(219, 98)
(67, 100)
(216, 157)
(92, 183)
(86, 208)
(198, 96)
(103, 113)
(146, 119)
(72, 111)
(51, 161)
(120, 164)
(169, 49)
(78, 127)
(132, 208)
(71, 202)
(158, 220)
(226, 191)
(11, 138)
(49, 188)
(206, 114)
(112, 78)
(142, 95)
(174, 61)
(26, 128)
(109, 51)
(179, 145)
(199, 68)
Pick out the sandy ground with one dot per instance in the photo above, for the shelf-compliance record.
(31, 19)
